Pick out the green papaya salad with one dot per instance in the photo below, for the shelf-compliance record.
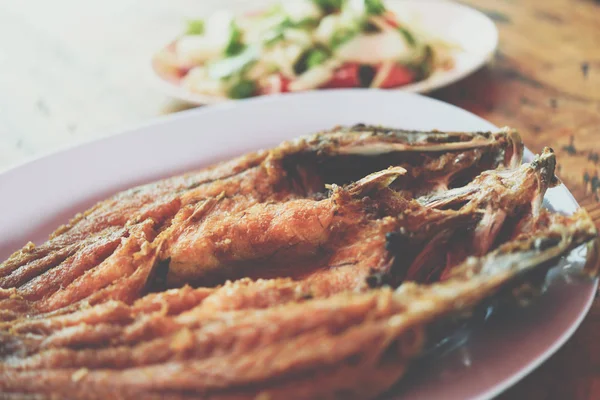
(299, 45)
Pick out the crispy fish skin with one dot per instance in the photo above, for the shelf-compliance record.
(380, 331)
(309, 311)
(271, 234)
(297, 169)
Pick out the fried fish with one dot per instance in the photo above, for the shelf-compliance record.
(315, 269)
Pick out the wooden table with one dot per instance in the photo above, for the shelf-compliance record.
(545, 81)
(71, 71)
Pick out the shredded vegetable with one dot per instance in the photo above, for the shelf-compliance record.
(303, 45)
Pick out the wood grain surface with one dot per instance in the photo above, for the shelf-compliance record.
(545, 81)
(71, 71)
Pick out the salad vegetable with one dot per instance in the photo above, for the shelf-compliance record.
(302, 45)
(195, 27)
(374, 7)
(234, 44)
(242, 89)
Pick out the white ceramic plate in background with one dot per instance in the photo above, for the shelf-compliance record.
(44, 193)
(471, 30)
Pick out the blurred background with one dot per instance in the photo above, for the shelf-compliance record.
(71, 69)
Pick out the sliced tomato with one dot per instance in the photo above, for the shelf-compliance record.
(391, 19)
(399, 75)
(275, 84)
(344, 77)
(182, 71)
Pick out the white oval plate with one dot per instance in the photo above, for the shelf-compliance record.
(40, 195)
(471, 30)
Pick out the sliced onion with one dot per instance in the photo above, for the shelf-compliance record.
(374, 48)
(382, 72)
(197, 80)
(314, 77)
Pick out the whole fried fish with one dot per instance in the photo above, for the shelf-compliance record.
(315, 269)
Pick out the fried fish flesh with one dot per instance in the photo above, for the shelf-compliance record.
(294, 170)
(269, 352)
(315, 269)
